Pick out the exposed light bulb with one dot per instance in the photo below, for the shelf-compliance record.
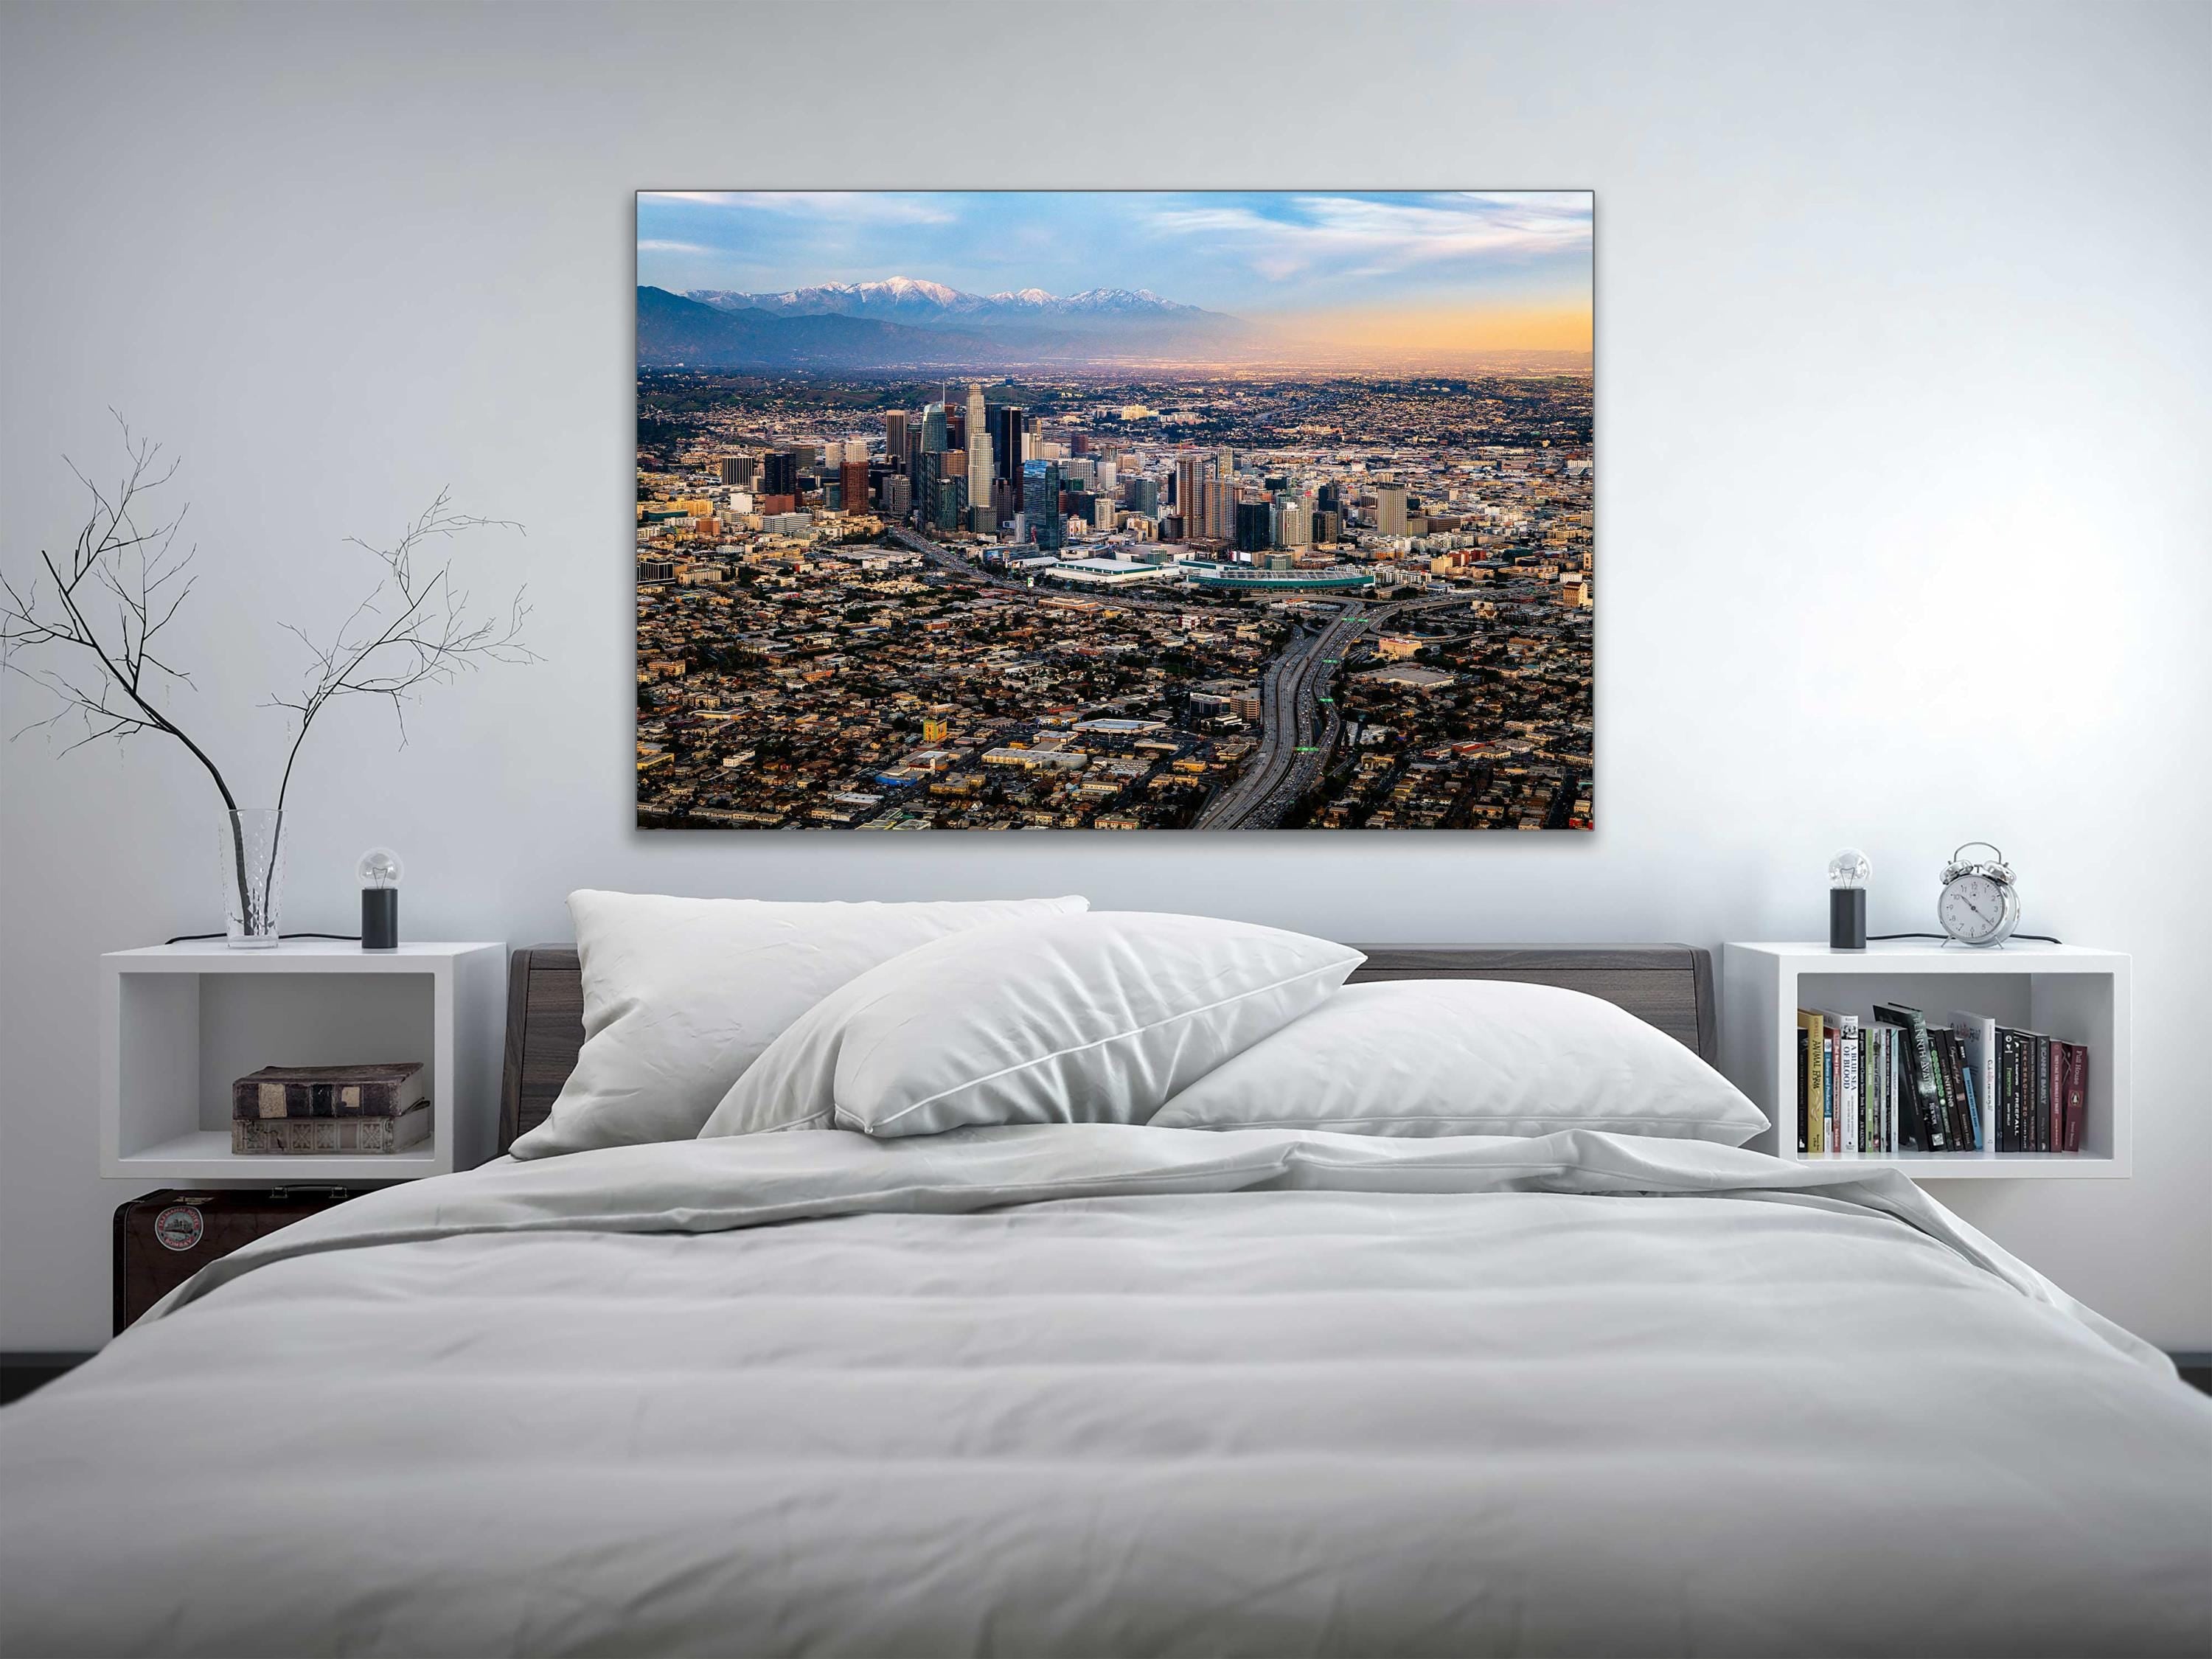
(380, 867)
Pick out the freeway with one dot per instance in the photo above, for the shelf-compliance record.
(1292, 752)
(1285, 763)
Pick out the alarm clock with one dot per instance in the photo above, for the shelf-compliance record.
(1979, 905)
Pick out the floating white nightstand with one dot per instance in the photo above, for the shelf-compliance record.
(179, 1023)
(2064, 991)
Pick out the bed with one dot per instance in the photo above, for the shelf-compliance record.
(1092, 1389)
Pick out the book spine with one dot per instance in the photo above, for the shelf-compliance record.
(1804, 1089)
(1847, 1082)
(253, 1098)
(2077, 1093)
(297, 1136)
(2054, 1085)
(2008, 1055)
(1828, 1090)
(1946, 1080)
(1814, 1076)
(1927, 1084)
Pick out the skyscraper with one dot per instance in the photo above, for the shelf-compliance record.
(853, 476)
(1390, 509)
(1190, 493)
(1290, 522)
(1221, 508)
(979, 446)
(740, 469)
(1041, 504)
(781, 474)
(932, 428)
(1005, 424)
(1253, 527)
(894, 437)
(928, 474)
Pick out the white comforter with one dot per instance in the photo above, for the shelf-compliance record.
(1102, 1389)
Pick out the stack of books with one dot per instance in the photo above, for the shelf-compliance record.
(330, 1109)
(1894, 1081)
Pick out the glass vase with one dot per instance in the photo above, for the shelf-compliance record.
(252, 875)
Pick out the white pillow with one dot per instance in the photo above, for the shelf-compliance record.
(1051, 1019)
(1468, 1057)
(682, 995)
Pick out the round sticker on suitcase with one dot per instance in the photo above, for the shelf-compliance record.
(179, 1227)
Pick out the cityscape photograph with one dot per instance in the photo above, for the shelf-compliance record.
(1115, 510)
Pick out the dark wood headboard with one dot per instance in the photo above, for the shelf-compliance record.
(1669, 986)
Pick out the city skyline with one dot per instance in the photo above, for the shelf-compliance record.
(1115, 512)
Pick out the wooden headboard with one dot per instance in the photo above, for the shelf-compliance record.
(1669, 986)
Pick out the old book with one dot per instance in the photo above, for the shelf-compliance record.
(297, 1137)
(382, 1089)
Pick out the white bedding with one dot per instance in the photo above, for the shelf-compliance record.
(1079, 1389)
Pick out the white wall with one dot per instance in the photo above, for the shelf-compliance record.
(1902, 413)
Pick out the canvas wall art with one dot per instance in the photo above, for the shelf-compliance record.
(1115, 510)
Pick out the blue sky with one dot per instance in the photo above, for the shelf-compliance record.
(1254, 254)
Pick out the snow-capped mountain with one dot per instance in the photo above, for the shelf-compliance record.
(912, 300)
(1025, 323)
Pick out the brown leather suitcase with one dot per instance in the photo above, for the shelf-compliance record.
(164, 1238)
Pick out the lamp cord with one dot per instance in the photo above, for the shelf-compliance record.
(2040, 939)
(194, 938)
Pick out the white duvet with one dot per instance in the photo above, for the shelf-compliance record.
(1116, 1390)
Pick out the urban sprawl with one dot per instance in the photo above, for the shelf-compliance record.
(1065, 602)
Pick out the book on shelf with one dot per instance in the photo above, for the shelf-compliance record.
(382, 1089)
(1898, 1081)
(307, 1136)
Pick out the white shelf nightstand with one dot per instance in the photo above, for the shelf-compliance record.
(180, 1022)
(2064, 991)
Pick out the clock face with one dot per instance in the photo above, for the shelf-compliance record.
(1975, 910)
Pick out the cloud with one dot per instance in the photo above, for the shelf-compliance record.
(850, 206)
(658, 246)
(1361, 235)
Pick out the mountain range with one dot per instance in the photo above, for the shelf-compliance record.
(903, 322)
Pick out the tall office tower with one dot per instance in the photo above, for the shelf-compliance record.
(894, 437)
(1390, 509)
(1189, 491)
(932, 428)
(976, 428)
(982, 471)
(952, 498)
(1221, 509)
(1290, 522)
(1325, 527)
(898, 497)
(853, 476)
(928, 474)
(1006, 442)
(1102, 513)
(1253, 527)
(1108, 474)
(1143, 495)
(1327, 500)
(1041, 504)
(781, 473)
(740, 469)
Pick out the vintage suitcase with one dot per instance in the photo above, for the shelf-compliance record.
(164, 1238)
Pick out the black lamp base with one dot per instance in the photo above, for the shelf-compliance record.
(1847, 918)
(379, 918)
